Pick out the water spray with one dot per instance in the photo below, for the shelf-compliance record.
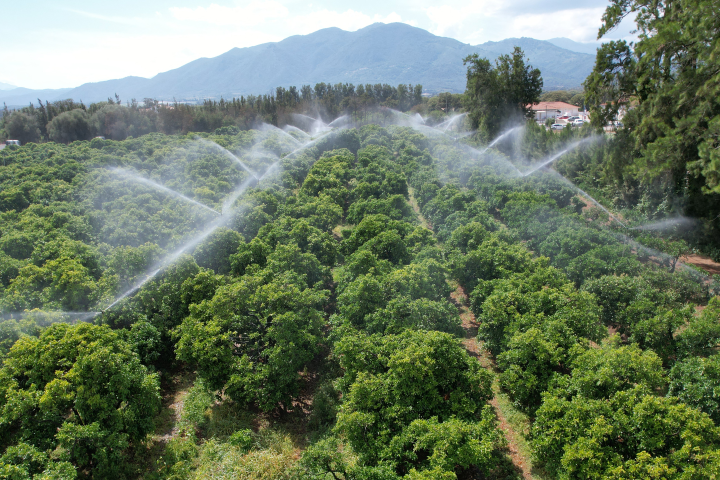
(552, 158)
(266, 127)
(338, 122)
(312, 143)
(586, 195)
(501, 137)
(228, 154)
(443, 126)
(221, 221)
(59, 316)
(665, 224)
(146, 181)
(293, 128)
(316, 125)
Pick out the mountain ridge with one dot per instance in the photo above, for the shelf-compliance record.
(379, 53)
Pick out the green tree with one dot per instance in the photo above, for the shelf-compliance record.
(25, 461)
(696, 382)
(79, 388)
(497, 97)
(215, 252)
(631, 433)
(412, 400)
(601, 372)
(253, 337)
(22, 126)
(671, 74)
(70, 126)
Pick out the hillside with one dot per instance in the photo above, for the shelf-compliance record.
(590, 48)
(393, 53)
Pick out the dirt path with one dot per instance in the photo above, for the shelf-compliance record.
(174, 389)
(470, 325)
(706, 263)
(416, 208)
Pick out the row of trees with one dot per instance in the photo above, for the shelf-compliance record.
(331, 267)
(603, 406)
(662, 162)
(327, 285)
(386, 331)
(248, 312)
(66, 121)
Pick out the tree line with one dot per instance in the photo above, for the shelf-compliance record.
(658, 95)
(67, 121)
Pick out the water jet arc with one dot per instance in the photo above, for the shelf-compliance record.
(499, 138)
(555, 156)
(586, 195)
(665, 224)
(266, 127)
(146, 181)
(55, 316)
(228, 154)
(221, 221)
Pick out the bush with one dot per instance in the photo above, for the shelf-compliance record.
(22, 126)
(70, 126)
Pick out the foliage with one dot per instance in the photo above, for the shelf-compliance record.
(22, 126)
(253, 337)
(69, 126)
(631, 433)
(399, 389)
(696, 382)
(81, 389)
(114, 120)
(316, 316)
(500, 96)
(663, 88)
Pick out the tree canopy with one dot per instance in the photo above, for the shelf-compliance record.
(501, 95)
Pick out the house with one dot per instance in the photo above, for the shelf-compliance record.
(622, 110)
(545, 110)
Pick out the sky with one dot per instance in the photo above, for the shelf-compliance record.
(60, 43)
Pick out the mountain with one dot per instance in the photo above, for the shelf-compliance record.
(561, 69)
(23, 96)
(380, 53)
(567, 44)
(6, 86)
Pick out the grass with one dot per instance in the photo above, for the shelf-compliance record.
(272, 460)
(519, 423)
(414, 204)
(194, 439)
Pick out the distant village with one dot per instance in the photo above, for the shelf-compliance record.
(563, 114)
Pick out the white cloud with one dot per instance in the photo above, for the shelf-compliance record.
(148, 41)
(252, 14)
(482, 20)
(580, 24)
(133, 21)
(452, 21)
(348, 20)
(119, 55)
